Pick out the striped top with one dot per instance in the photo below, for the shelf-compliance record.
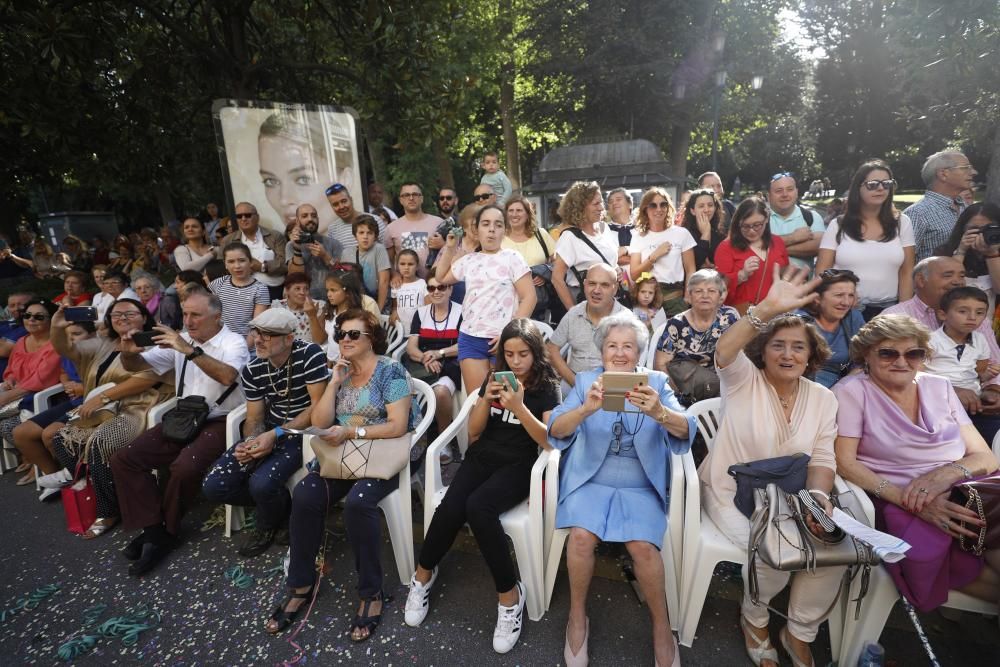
(238, 302)
(263, 382)
(435, 334)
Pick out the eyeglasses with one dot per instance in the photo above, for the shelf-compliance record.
(756, 227)
(266, 337)
(782, 174)
(663, 205)
(912, 356)
(874, 185)
(410, 195)
(112, 282)
(960, 166)
(245, 216)
(335, 188)
(130, 315)
(38, 317)
(446, 198)
(708, 291)
(484, 196)
(617, 429)
(835, 274)
(437, 288)
(353, 334)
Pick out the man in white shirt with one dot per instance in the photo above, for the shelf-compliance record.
(789, 221)
(205, 361)
(267, 248)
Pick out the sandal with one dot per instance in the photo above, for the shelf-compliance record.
(282, 618)
(783, 637)
(363, 621)
(27, 478)
(100, 527)
(23, 467)
(763, 649)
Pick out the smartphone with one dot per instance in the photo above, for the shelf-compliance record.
(615, 386)
(80, 314)
(145, 338)
(509, 376)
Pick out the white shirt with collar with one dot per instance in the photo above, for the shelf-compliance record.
(260, 252)
(226, 346)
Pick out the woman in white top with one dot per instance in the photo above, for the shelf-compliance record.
(582, 209)
(196, 251)
(873, 240)
(662, 248)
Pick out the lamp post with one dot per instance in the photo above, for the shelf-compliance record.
(720, 85)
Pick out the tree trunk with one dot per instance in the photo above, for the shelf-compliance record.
(376, 158)
(446, 178)
(507, 74)
(680, 141)
(164, 202)
(993, 170)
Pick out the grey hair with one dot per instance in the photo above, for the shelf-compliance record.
(923, 267)
(601, 265)
(246, 203)
(139, 274)
(626, 320)
(707, 276)
(214, 304)
(626, 193)
(936, 162)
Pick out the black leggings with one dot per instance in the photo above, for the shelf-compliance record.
(479, 494)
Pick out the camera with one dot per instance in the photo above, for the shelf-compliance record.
(449, 226)
(306, 238)
(991, 233)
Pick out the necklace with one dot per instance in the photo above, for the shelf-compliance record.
(444, 322)
(786, 401)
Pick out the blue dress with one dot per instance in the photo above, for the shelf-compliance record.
(613, 481)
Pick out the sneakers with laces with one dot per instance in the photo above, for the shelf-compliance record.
(418, 601)
(509, 620)
(56, 480)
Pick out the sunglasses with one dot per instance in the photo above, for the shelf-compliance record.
(437, 288)
(445, 198)
(38, 317)
(834, 274)
(334, 189)
(483, 197)
(782, 174)
(353, 334)
(874, 185)
(410, 195)
(891, 354)
(661, 205)
(244, 216)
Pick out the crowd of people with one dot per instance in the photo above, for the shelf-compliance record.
(863, 340)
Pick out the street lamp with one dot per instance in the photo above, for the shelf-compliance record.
(720, 85)
(757, 81)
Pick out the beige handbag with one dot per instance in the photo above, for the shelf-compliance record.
(381, 458)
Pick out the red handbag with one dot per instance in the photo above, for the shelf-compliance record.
(79, 503)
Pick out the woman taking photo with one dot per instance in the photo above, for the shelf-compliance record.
(107, 422)
(748, 257)
(534, 244)
(836, 320)
(968, 245)
(195, 252)
(243, 297)
(773, 410)
(904, 437)
(506, 428)
(584, 241)
(703, 217)
(310, 328)
(873, 240)
(368, 397)
(613, 479)
(662, 248)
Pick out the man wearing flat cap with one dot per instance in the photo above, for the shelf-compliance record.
(281, 385)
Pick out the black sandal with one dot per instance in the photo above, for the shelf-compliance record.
(366, 622)
(285, 618)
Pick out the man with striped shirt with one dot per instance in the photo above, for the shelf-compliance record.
(281, 385)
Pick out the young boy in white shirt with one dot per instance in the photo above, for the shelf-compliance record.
(958, 351)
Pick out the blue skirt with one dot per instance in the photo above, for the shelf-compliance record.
(618, 504)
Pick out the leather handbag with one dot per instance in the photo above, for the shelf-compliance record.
(79, 501)
(184, 422)
(379, 458)
(982, 496)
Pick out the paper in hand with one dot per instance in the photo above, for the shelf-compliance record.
(889, 548)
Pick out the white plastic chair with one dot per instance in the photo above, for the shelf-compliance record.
(523, 523)
(545, 330)
(882, 595)
(155, 414)
(555, 538)
(395, 338)
(398, 505)
(649, 354)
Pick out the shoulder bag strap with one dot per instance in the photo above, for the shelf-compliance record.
(103, 368)
(180, 383)
(578, 233)
(541, 242)
(357, 256)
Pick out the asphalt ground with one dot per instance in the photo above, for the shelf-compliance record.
(207, 620)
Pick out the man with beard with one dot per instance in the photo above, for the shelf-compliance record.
(311, 253)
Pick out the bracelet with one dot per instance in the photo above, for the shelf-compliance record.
(992, 256)
(959, 466)
(664, 414)
(821, 493)
(294, 263)
(278, 431)
(880, 488)
(755, 321)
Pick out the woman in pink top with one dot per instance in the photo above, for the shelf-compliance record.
(498, 288)
(770, 409)
(905, 438)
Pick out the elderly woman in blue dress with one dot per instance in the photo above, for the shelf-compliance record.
(613, 481)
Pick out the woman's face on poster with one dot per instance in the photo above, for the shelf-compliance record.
(292, 176)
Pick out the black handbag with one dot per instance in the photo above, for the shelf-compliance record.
(183, 423)
(788, 472)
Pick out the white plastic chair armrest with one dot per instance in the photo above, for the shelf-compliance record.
(866, 503)
(692, 503)
(155, 414)
(536, 501)
(43, 398)
(430, 408)
(432, 464)
(97, 391)
(551, 492)
(234, 420)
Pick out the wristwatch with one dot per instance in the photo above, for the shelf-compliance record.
(105, 399)
(194, 354)
(440, 354)
(360, 431)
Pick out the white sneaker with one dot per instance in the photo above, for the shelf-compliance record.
(418, 600)
(46, 493)
(509, 619)
(56, 480)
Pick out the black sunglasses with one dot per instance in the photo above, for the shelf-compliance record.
(353, 334)
(335, 188)
(38, 317)
(438, 288)
(662, 205)
(242, 216)
(891, 354)
(483, 197)
(835, 274)
(445, 198)
(874, 185)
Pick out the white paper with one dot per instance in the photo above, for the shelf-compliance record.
(889, 548)
(311, 430)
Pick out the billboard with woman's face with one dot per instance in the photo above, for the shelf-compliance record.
(279, 156)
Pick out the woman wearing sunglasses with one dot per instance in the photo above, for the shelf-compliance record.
(904, 437)
(368, 397)
(873, 240)
(662, 248)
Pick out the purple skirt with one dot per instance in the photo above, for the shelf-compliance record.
(935, 563)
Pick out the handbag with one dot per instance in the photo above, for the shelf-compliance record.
(982, 496)
(79, 500)
(378, 458)
(693, 380)
(183, 423)
(418, 371)
(789, 472)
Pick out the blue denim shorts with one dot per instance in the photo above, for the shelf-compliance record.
(473, 347)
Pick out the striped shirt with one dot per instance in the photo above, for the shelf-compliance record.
(238, 302)
(435, 334)
(263, 382)
(933, 219)
(343, 232)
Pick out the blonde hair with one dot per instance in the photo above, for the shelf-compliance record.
(657, 294)
(881, 328)
(642, 220)
(530, 225)
(575, 201)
